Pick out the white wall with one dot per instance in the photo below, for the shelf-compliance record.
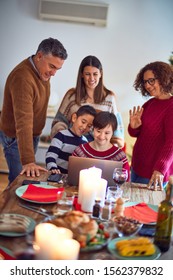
(138, 32)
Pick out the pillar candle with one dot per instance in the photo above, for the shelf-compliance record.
(43, 233)
(88, 195)
(67, 249)
(101, 190)
(96, 172)
(89, 188)
(47, 237)
(82, 178)
(64, 233)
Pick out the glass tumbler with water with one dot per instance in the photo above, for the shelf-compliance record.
(64, 202)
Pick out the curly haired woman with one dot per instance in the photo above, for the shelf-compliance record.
(151, 124)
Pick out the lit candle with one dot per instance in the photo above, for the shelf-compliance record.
(47, 237)
(64, 233)
(89, 188)
(88, 195)
(101, 190)
(43, 233)
(83, 174)
(67, 249)
(96, 172)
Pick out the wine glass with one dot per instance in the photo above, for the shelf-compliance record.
(120, 176)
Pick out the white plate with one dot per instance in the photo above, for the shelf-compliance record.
(112, 249)
(30, 228)
(20, 191)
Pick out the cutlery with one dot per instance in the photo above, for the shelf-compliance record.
(39, 210)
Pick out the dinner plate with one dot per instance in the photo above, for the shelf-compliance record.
(7, 251)
(112, 249)
(95, 247)
(20, 191)
(152, 206)
(30, 227)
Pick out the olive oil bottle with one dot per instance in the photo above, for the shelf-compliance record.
(163, 231)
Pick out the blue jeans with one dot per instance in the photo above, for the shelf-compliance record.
(137, 179)
(11, 153)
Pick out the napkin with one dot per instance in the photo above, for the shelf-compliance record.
(5, 256)
(41, 194)
(141, 212)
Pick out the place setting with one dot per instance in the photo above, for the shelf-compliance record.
(15, 225)
(38, 193)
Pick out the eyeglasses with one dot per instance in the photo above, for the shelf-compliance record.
(150, 81)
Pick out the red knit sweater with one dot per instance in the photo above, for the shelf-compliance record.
(153, 149)
(114, 153)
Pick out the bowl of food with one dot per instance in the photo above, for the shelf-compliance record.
(126, 226)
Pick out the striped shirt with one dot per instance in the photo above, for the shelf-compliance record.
(62, 146)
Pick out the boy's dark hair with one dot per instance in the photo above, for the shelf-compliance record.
(104, 118)
(86, 109)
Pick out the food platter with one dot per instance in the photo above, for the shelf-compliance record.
(98, 242)
(112, 249)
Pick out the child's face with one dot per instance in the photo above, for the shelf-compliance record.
(82, 124)
(103, 136)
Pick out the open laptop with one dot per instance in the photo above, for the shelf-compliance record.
(76, 164)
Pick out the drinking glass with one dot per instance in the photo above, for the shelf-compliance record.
(120, 176)
(113, 193)
(64, 202)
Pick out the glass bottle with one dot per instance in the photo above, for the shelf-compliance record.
(96, 208)
(163, 231)
(106, 211)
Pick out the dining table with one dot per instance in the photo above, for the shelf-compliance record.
(10, 203)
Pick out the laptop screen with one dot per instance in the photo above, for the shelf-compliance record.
(76, 164)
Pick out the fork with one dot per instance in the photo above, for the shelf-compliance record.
(39, 210)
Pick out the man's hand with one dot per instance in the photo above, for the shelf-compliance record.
(32, 169)
(156, 180)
